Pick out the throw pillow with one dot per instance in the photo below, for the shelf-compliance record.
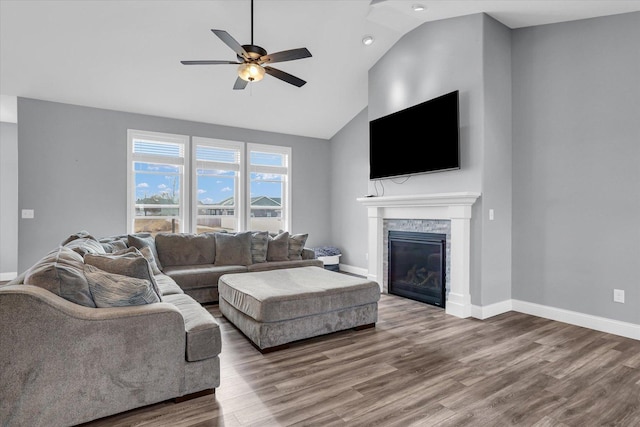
(83, 234)
(85, 245)
(116, 290)
(146, 252)
(233, 249)
(278, 248)
(141, 240)
(259, 245)
(129, 262)
(61, 271)
(115, 245)
(296, 244)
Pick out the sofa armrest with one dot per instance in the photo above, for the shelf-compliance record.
(308, 253)
(54, 353)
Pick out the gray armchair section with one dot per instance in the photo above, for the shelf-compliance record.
(63, 364)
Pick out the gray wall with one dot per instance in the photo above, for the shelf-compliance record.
(349, 179)
(470, 54)
(576, 156)
(8, 199)
(73, 172)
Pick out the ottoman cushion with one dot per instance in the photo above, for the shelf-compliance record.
(277, 295)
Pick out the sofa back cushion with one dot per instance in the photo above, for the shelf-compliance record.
(233, 249)
(61, 271)
(176, 249)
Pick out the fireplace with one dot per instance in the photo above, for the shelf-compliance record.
(417, 266)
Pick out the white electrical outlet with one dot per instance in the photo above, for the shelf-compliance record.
(618, 295)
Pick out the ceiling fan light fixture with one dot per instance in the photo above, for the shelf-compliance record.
(251, 72)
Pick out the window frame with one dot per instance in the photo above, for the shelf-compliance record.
(240, 187)
(183, 140)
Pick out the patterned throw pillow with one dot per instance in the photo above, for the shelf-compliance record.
(278, 248)
(146, 252)
(129, 262)
(296, 245)
(233, 249)
(116, 290)
(140, 241)
(259, 245)
(61, 271)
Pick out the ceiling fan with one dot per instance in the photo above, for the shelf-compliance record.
(252, 60)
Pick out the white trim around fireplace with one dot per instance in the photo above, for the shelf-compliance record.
(455, 207)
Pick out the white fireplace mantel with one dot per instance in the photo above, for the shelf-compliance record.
(455, 207)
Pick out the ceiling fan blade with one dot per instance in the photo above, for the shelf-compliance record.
(209, 62)
(286, 55)
(232, 43)
(285, 76)
(240, 84)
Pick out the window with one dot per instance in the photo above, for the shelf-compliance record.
(269, 188)
(228, 192)
(157, 182)
(218, 185)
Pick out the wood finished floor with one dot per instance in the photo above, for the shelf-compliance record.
(419, 367)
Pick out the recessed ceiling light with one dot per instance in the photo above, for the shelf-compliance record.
(367, 40)
(418, 8)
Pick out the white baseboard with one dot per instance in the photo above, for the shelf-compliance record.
(602, 324)
(354, 270)
(8, 276)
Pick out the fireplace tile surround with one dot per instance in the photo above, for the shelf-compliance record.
(447, 213)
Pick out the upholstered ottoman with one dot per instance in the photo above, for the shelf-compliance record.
(274, 308)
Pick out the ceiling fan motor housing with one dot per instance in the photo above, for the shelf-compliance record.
(255, 52)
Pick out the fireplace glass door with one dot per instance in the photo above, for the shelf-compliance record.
(417, 266)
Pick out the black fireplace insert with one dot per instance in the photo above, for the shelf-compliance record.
(417, 266)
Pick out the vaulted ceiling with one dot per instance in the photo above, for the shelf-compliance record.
(125, 55)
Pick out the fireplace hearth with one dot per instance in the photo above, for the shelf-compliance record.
(417, 266)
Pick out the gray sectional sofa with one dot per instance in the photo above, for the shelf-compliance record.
(101, 326)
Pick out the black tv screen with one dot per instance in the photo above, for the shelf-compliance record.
(420, 139)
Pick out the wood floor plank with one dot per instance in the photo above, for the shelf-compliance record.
(418, 367)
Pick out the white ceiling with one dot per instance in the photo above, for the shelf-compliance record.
(125, 55)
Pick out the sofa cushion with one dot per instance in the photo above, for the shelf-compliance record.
(200, 276)
(233, 249)
(185, 249)
(114, 245)
(259, 245)
(278, 248)
(61, 271)
(139, 241)
(167, 285)
(275, 265)
(296, 244)
(116, 290)
(129, 262)
(203, 332)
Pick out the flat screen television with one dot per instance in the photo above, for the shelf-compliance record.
(420, 139)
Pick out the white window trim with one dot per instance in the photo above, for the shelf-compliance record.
(133, 134)
(285, 170)
(240, 188)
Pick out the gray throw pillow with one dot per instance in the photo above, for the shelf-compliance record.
(85, 245)
(296, 245)
(116, 290)
(278, 247)
(233, 249)
(112, 246)
(61, 271)
(259, 245)
(83, 234)
(141, 240)
(129, 262)
(146, 252)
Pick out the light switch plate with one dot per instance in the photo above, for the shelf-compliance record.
(27, 214)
